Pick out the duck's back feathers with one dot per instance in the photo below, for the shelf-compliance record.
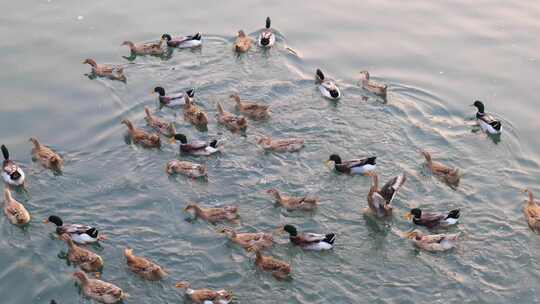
(389, 190)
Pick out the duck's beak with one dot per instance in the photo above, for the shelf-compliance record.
(408, 216)
(172, 140)
(327, 163)
(280, 230)
(46, 221)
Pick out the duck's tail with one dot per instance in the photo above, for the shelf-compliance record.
(330, 238)
(453, 214)
(213, 143)
(371, 160)
(496, 125)
(5, 152)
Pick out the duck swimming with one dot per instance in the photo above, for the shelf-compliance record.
(81, 234)
(151, 48)
(46, 156)
(310, 241)
(532, 212)
(433, 220)
(294, 203)
(230, 121)
(280, 270)
(214, 214)
(267, 37)
(206, 296)
(449, 175)
(250, 241)
(98, 290)
(15, 211)
(143, 267)
(193, 113)
(197, 147)
(139, 136)
(487, 122)
(327, 86)
(371, 86)
(251, 109)
(159, 124)
(113, 72)
(242, 43)
(189, 169)
(173, 100)
(434, 242)
(379, 200)
(12, 174)
(281, 145)
(82, 257)
(353, 166)
(190, 41)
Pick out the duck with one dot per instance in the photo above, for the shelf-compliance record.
(267, 37)
(242, 43)
(371, 86)
(173, 100)
(139, 136)
(190, 41)
(151, 48)
(98, 290)
(193, 113)
(12, 173)
(433, 220)
(281, 144)
(449, 175)
(281, 270)
(433, 242)
(293, 202)
(380, 200)
(113, 72)
(487, 122)
(46, 156)
(187, 168)
(353, 166)
(206, 296)
(214, 214)
(532, 212)
(79, 233)
(249, 241)
(159, 124)
(82, 257)
(197, 147)
(327, 86)
(251, 109)
(15, 211)
(230, 121)
(143, 267)
(310, 241)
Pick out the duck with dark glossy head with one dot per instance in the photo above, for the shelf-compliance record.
(267, 37)
(197, 147)
(310, 241)
(173, 100)
(433, 220)
(487, 122)
(79, 233)
(182, 42)
(327, 86)
(353, 166)
(12, 173)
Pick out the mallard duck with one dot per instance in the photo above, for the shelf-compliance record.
(82, 257)
(47, 157)
(214, 214)
(197, 147)
(373, 87)
(206, 296)
(173, 100)
(193, 113)
(15, 211)
(267, 37)
(280, 269)
(487, 122)
(380, 200)
(159, 124)
(189, 41)
(143, 267)
(189, 169)
(353, 166)
(449, 175)
(242, 43)
(294, 202)
(433, 220)
(253, 110)
(281, 145)
(532, 212)
(327, 86)
(12, 174)
(434, 242)
(82, 234)
(310, 241)
(250, 241)
(141, 137)
(98, 290)
(230, 121)
(151, 48)
(113, 72)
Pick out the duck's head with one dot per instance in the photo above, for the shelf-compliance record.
(268, 22)
(228, 232)
(364, 75)
(160, 91)
(192, 208)
(264, 140)
(479, 105)
(241, 34)
(415, 234)
(336, 159)
(291, 230)
(181, 137)
(183, 285)
(55, 220)
(273, 192)
(166, 37)
(415, 212)
(128, 43)
(319, 75)
(90, 61)
(81, 277)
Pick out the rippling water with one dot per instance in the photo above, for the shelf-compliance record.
(437, 57)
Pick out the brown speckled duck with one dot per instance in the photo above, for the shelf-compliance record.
(532, 212)
(206, 296)
(433, 242)
(251, 109)
(47, 157)
(159, 124)
(373, 87)
(250, 241)
(281, 144)
(215, 214)
(82, 257)
(143, 267)
(15, 211)
(151, 48)
(293, 202)
(242, 43)
(189, 169)
(141, 137)
(280, 270)
(230, 121)
(193, 113)
(448, 175)
(113, 72)
(98, 290)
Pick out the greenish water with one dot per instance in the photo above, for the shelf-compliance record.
(437, 57)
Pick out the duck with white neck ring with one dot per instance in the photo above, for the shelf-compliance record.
(197, 147)
(487, 122)
(183, 42)
(206, 296)
(267, 37)
(81, 234)
(327, 86)
(353, 166)
(433, 220)
(12, 174)
(173, 100)
(310, 241)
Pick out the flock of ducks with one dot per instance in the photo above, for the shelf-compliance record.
(379, 199)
